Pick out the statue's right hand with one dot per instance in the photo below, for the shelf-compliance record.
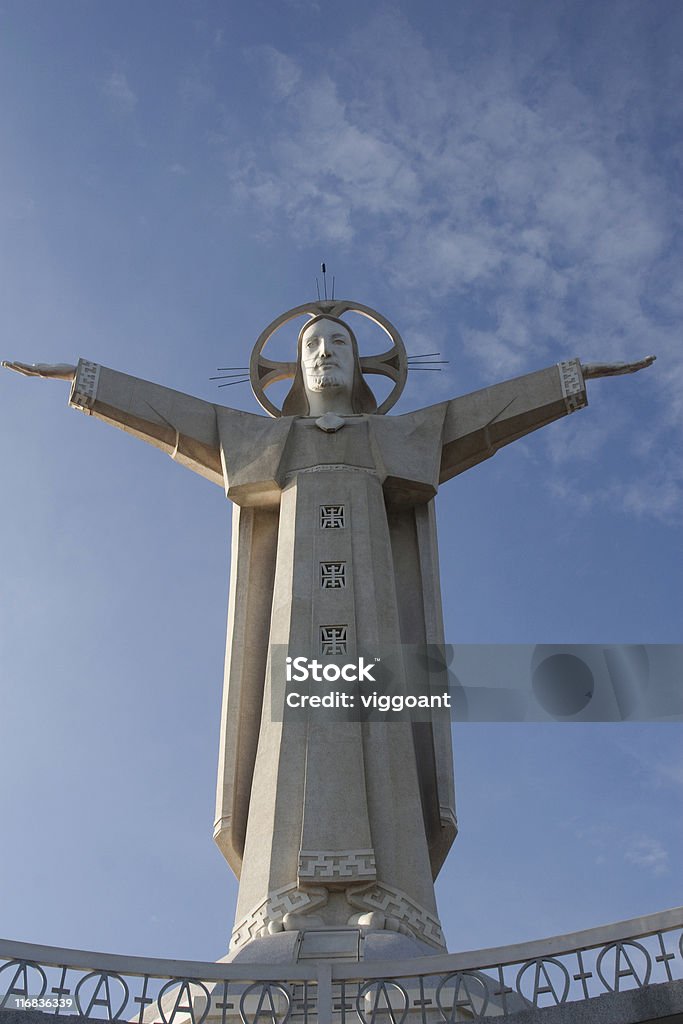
(58, 371)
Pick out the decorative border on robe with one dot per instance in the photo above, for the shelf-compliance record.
(289, 899)
(573, 387)
(395, 903)
(84, 387)
(337, 865)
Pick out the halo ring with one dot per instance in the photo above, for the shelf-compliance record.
(393, 363)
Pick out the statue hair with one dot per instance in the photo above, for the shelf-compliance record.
(362, 398)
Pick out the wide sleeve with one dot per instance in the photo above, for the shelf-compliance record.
(183, 427)
(478, 424)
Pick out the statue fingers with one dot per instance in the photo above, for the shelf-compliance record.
(641, 364)
(60, 371)
(615, 369)
(27, 369)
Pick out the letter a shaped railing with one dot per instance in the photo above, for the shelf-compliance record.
(642, 958)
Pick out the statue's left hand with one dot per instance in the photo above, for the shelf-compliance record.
(613, 369)
(58, 371)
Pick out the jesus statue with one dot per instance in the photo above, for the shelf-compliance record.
(326, 825)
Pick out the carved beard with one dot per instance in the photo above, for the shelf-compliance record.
(323, 378)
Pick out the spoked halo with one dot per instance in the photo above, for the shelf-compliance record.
(392, 364)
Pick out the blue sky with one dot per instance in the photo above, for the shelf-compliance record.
(502, 181)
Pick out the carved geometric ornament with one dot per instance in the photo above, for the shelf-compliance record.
(332, 575)
(332, 517)
(333, 640)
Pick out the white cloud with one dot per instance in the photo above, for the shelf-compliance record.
(647, 852)
(660, 499)
(461, 165)
(490, 184)
(280, 72)
(665, 768)
(603, 838)
(119, 93)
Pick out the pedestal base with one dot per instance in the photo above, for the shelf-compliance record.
(348, 944)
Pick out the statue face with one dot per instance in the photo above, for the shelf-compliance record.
(327, 357)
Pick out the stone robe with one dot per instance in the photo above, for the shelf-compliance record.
(323, 819)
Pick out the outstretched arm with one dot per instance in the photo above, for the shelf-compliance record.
(178, 424)
(477, 425)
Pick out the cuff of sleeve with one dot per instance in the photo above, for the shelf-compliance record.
(573, 385)
(84, 387)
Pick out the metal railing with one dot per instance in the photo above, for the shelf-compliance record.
(475, 985)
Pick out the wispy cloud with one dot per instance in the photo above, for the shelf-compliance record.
(656, 492)
(649, 853)
(479, 183)
(665, 773)
(604, 838)
(528, 198)
(664, 770)
(283, 73)
(119, 93)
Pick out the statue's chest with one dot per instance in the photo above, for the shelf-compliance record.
(309, 446)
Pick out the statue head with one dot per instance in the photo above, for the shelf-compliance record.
(328, 375)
